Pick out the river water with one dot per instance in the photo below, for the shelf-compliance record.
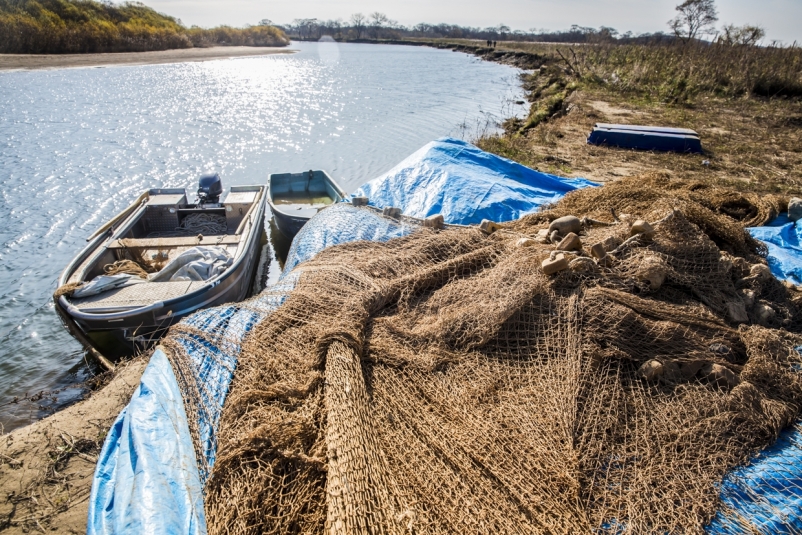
(78, 145)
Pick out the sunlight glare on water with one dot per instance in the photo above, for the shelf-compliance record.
(78, 145)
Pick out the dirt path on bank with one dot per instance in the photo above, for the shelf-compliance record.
(60, 61)
(46, 468)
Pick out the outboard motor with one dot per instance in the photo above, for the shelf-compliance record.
(209, 189)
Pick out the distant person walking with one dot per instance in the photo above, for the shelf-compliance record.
(495, 43)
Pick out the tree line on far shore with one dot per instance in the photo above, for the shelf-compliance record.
(695, 20)
(81, 26)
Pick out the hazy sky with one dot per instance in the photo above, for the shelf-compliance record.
(781, 18)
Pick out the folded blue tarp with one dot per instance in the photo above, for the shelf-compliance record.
(147, 480)
(466, 185)
(765, 496)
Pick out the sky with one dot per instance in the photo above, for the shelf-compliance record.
(782, 19)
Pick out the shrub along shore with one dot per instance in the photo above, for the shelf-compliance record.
(86, 26)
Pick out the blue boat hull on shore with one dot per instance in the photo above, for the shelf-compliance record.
(655, 138)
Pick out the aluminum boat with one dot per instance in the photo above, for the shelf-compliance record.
(295, 197)
(154, 230)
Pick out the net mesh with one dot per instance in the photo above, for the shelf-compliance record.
(442, 383)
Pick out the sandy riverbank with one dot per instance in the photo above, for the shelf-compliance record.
(60, 61)
(46, 468)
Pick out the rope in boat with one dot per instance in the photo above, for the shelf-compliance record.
(206, 224)
(128, 267)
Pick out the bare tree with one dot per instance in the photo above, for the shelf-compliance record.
(337, 26)
(358, 21)
(503, 30)
(695, 18)
(377, 22)
(741, 35)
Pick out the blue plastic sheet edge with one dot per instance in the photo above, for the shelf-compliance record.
(784, 240)
(765, 496)
(147, 480)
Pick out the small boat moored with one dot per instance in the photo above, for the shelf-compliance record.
(160, 260)
(295, 197)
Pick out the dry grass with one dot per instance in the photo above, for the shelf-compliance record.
(751, 142)
(745, 102)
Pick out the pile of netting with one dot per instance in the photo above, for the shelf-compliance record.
(443, 383)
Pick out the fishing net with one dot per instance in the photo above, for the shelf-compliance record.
(442, 383)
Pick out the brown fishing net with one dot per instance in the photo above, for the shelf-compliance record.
(442, 383)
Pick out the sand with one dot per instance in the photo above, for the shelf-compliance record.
(46, 468)
(60, 61)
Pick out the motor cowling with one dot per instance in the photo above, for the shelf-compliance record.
(210, 187)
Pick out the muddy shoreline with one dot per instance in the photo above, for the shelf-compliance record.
(46, 468)
(62, 61)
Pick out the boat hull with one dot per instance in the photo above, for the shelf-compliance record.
(288, 225)
(288, 222)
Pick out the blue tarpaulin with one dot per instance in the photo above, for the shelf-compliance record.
(146, 480)
(466, 185)
(784, 239)
(765, 496)
(341, 223)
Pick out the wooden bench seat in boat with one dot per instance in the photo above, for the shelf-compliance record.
(179, 241)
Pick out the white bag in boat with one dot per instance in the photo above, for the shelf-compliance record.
(197, 264)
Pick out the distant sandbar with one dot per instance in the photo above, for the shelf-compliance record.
(59, 61)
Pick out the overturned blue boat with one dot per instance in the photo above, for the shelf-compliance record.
(657, 138)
